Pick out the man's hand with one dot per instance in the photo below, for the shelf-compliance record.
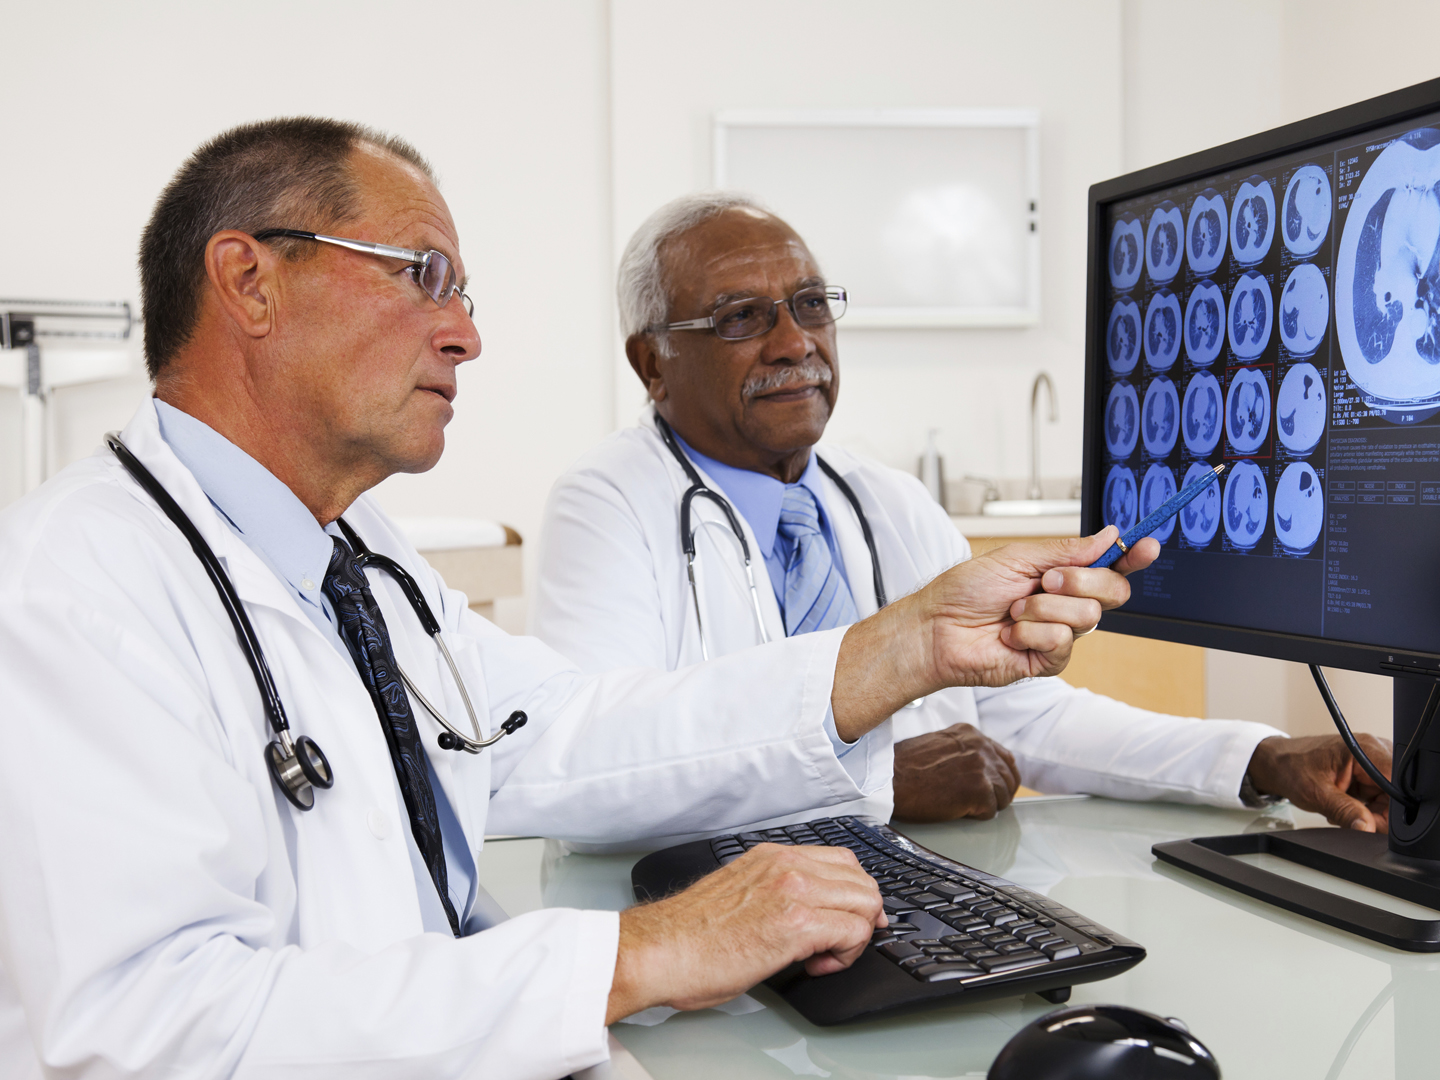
(771, 907)
(1317, 773)
(955, 773)
(1006, 615)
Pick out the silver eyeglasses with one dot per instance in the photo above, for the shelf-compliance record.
(431, 270)
(736, 320)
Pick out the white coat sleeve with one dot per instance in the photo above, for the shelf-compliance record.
(133, 931)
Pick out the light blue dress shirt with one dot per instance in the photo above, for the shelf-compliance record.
(285, 535)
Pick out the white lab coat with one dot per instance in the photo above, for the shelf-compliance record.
(165, 912)
(613, 591)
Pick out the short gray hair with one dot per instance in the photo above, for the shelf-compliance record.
(643, 291)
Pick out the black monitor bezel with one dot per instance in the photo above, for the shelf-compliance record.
(1392, 108)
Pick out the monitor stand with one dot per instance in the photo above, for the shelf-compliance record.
(1406, 864)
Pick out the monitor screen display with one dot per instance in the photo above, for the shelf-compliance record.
(1282, 318)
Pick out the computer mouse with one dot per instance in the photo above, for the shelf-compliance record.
(1088, 1042)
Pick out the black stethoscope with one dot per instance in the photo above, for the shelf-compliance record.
(697, 489)
(298, 765)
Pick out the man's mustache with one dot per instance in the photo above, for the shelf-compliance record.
(813, 372)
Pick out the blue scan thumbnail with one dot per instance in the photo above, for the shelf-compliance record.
(1300, 409)
(1163, 245)
(1161, 417)
(1387, 277)
(1299, 508)
(1205, 232)
(1200, 415)
(1122, 336)
(1162, 330)
(1120, 500)
(1204, 324)
(1247, 410)
(1200, 517)
(1252, 221)
(1304, 309)
(1252, 317)
(1158, 485)
(1127, 241)
(1247, 505)
(1307, 210)
(1122, 420)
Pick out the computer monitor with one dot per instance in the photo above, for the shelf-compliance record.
(1273, 305)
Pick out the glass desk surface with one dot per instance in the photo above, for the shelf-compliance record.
(1271, 994)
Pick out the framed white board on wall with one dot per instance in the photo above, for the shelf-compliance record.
(929, 217)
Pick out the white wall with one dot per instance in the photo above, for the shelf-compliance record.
(565, 122)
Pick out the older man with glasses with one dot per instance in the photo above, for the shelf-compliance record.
(652, 543)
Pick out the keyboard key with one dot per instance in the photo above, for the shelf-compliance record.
(1030, 933)
(938, 950)
(953, 890)
(1010, 963)
(927, 900)
(1063, 951)
(896, 907)
(899, 926)
(960, 941)
(1012, 947)
(1001, 917)
(944, 971)
(985, 908)
(923, 879)
(968, 924)
(1043, 921)
(1041, 942)
(753, 837)
(978, 955)
(900, 950)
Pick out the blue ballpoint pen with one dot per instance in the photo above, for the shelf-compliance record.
(1169, 508)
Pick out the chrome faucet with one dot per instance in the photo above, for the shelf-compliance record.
(1035, 491)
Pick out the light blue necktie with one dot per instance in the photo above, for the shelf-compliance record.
(816, 596)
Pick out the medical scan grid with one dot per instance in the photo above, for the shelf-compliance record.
(1282, 318)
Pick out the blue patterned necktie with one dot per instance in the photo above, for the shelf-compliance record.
(362, 628)
(816, 596)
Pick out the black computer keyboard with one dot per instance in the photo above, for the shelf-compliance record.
(955, 933)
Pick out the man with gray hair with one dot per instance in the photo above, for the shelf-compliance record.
(191, 886)
(652, 542)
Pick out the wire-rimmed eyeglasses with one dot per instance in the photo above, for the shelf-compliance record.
(431, 270)
(736, 320)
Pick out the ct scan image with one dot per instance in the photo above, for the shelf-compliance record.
(1247, 505)
(1300, 409)
(1200, 517)
(1307, 211)
(1122, 337)
(1121, 500)
(1163, 246)
(1158, 485)
(1122, 420)
(1204, 324)
(1387, 276)
(1299, 508)
(1206, 232)
(1247, 410)
(1162, 330)
(1201, 414)
(1251, 316)
(1304, 309)
(1252, 221)
(1127, 241)
(1161, 417)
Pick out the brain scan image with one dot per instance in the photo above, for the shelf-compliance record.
(1161, 416)
(1299, 508)
(1251, 317)
(1247, 505)
(1122, 337)
(1127, 240)
(1120, 499)
(1387, 275)
(1122, 420)
(1200, 517)
(1204, 324)
(1200, 415)
(1158, 485)
(1162, 330)
(1252, 221)
(1300, 409)
(1304, 309)
(1247, 410)
(1163, 243)
(1205, 232)
(1307, 210)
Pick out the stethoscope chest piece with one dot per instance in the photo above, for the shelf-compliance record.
(298, 768)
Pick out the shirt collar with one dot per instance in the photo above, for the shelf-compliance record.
(757, 497)
(262, 509)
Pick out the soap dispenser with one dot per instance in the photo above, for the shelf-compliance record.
(932, 468)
